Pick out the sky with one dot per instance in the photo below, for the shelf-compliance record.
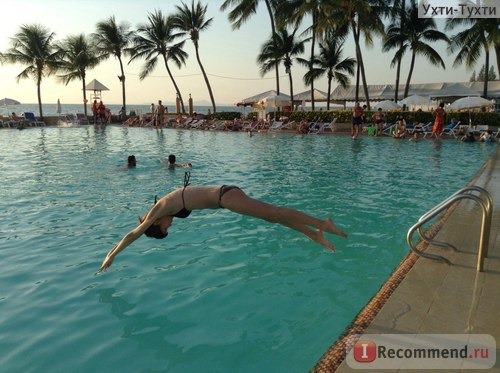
(229, 56)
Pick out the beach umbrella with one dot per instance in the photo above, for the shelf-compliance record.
(177, 105)
(190, 104)
(414, 100)
(469, 103)
(387, 105)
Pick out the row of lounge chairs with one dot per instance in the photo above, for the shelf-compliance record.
(27, 120)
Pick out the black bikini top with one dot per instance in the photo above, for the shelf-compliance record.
(184, 213)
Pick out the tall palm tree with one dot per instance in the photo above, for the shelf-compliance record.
(364, 18)
(33, 46)
(112, 40)
(320, 13)
(191, 21)
(479, 34)
(330, 63)
(414, 38)
(155, 39)
(244, 9)
(78, 55)
(282, 47)
(398, 15)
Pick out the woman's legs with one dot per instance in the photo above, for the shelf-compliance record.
(237, 201)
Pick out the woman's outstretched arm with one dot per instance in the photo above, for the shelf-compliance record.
(130, 237)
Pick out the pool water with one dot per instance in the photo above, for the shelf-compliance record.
(224, 292)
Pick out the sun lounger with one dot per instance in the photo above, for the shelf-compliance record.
(276, 126)
(31, 119)
(388, 129)
(82, 118)
(451, 129)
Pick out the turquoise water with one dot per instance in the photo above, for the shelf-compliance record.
(224, 292)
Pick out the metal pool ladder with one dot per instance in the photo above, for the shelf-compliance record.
(486, 203)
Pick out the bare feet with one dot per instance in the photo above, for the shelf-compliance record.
(330, 227)
(320, 238)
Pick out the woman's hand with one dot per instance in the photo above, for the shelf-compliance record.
(107, 261)
(105, 264)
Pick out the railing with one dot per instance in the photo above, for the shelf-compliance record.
(484, 200)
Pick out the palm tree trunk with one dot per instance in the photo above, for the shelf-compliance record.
(39, 94)
(273, 30)
(206, 79)
(359, 57)
(290, 80)
(329, 91)
(486, 75)
(122, 79)
(410, 73)
(84, 97)
(174, 83)
(401, 45)
(497, 53)
(398, 74)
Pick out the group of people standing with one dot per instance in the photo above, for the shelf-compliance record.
(359, 117)
(100, 112)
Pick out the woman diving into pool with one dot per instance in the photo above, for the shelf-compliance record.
(182, 201)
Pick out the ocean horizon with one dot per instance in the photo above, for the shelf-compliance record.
(50, 109)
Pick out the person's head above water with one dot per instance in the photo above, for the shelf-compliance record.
(171, 159)
(131, 161)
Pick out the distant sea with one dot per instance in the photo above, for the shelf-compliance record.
(51, 109)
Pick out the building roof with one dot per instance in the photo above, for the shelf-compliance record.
(378, 92)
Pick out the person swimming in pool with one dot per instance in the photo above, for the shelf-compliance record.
(172, 162)
(180, 203)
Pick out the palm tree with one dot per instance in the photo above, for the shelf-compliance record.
(320, 12)
(156, 39)
(414, 37)
(282, 47)
(33, 46)
(399, 19)
(330, 63)
(78, 55)
(191, 21)
(364, 18)
(479, 34)
(112, 40)
(244, 9)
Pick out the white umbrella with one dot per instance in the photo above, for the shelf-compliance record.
(414, 100)
(469, 103)
(387, 105)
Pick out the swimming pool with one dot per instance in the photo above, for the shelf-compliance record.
(223, 292)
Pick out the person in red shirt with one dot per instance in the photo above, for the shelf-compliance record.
(439, 115)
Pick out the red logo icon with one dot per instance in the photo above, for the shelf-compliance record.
(365, 351)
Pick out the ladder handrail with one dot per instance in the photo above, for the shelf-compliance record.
(470, 188)
(464, 193)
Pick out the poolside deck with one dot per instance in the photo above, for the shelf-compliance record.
(436, 298)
